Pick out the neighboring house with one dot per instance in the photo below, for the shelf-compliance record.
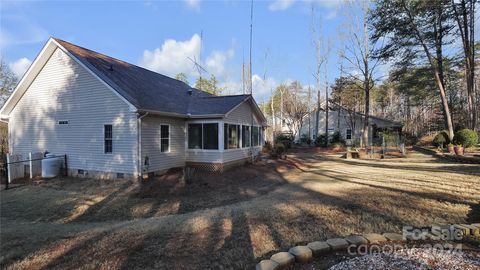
(114, 119)
(348, 124)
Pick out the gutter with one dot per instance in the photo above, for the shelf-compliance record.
(4, 118)
(181, 115)
(139, 145)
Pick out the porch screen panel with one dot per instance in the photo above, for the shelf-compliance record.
(194, 136)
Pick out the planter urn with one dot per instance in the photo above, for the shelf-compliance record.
(459, 150)
(451, 149)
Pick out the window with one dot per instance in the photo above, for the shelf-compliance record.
(108, 138)
(348, 134)
(255, 136)
(231, 136)
(210, 136)
(195, 136)
(164, 138)
(63, 122)
(203, 136)
(245, 136)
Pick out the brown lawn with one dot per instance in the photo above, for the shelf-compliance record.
(228, 221)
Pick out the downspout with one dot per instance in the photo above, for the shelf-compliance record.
(139, 145)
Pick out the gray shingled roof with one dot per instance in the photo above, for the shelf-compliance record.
(151, 91)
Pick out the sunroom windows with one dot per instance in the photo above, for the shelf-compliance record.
(205, 136)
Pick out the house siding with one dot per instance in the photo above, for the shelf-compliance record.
(241, 115)
(64, 90)
(150, 134)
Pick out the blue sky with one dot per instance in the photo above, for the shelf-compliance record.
(161, 35)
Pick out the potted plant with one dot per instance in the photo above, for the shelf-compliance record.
(459, 150)
(451, 148)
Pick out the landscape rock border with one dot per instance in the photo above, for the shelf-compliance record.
(304, 254)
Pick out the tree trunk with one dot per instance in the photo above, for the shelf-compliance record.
(317, 116)
(366, 74)
(438, 78)
(326, 113)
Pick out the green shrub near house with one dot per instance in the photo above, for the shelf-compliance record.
(336, 138)
(284, 139)
(466, 137)
(321, 140)
(305, 139)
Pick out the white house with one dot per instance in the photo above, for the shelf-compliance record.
(114, 119)
(348, 124)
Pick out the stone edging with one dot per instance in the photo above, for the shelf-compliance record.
(305, 254)
(461, 159)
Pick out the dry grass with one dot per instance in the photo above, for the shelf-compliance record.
(119, 225)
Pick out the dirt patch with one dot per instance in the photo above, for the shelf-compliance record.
(90, 200)
(207, 190)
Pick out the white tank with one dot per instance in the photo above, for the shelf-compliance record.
(50, 166)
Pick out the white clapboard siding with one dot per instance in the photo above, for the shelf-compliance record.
(242, 115)
(65, 91)
(204, 156)
(241, 153)
(151, 143)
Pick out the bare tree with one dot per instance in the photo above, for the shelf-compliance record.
(358, 54)
(295, 107)
(8, 82)
(320, 59)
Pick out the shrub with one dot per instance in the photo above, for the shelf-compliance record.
(278, 150)
(321, 140)
(337, 138)
(466, 137)
(305, 139)
(441, 139)
(410, 139)
(284, 139)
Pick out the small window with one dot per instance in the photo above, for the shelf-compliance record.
(63, 122)
(108, 137)
(164, 138)
(348, 134)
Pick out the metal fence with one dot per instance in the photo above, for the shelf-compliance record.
(16, 167)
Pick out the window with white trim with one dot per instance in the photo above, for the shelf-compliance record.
(203, 136)
(245, 136)
(164, 138)
(108, 139)
(231, 136)
(255, 136)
